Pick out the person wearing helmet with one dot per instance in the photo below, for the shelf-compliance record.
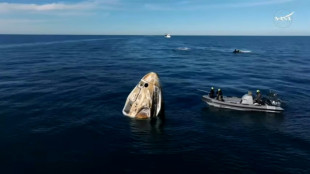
(211, 93)
(258, 98)
(219, 95)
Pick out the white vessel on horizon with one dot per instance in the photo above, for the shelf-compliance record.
(167, 36)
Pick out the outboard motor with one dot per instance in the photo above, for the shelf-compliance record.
(274, 100)
(276, 103)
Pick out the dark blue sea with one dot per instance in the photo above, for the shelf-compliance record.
(61, 100)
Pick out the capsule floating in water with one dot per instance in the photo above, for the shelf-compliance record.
(145, 100)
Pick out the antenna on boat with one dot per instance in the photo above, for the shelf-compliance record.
(202, 90)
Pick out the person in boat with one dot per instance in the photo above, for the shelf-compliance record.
(219, 95)
(258, 98)
(211, 93)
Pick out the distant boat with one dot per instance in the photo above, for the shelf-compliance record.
(167, 36)
(237, 51)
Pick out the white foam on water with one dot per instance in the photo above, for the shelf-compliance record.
(183, 48)
(245, 51)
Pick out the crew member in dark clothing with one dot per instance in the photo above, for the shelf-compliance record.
(258, 98)
(211, 93)
(219, 95)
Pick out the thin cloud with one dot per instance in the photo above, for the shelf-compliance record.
(157, 7)
(258, 3)
(187, 5)
(6, 7)
(20, 21)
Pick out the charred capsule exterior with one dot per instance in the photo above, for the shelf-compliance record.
(145, 100)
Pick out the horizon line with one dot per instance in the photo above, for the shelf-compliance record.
(139, 34)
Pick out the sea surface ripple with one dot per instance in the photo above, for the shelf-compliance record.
(61, 99)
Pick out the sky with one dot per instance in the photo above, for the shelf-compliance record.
(154, 17)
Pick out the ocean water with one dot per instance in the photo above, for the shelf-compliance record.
(61, 100)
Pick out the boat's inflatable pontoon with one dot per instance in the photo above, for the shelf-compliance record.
(244, 104)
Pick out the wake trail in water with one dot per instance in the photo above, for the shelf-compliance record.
(246, 51)
(51, 43)
(219, 49)
(183, 49)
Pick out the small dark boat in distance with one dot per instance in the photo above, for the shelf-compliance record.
(237, 51)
